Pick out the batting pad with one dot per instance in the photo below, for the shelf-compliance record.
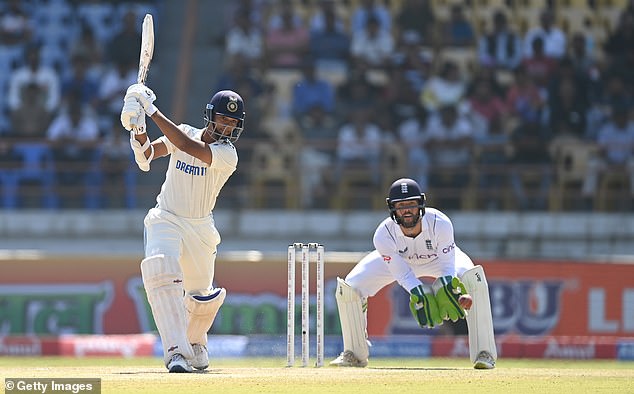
(479, 319)
(353, 323)
(163, 282)
(201, 312)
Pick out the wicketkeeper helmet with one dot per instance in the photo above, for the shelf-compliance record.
(405, 189)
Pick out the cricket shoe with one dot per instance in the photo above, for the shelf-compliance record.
(178, 364)
(484, 361)
(348, 359)
(201, 357)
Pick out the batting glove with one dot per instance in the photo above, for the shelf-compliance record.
(132, 116)
(448, 290)
(144, 95)
(423, 306)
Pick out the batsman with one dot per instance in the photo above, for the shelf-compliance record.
(415, 242)
(180, 235)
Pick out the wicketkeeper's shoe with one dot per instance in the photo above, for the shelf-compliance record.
(178, 364)
(348, 359)
(201, 357)
(484, 361)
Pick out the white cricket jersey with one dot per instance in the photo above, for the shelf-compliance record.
(191, 186)
(433, 251)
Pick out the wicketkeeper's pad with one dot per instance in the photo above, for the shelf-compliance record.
(353, 322)
(479, 319)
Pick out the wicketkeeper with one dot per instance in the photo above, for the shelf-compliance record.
(416, 242)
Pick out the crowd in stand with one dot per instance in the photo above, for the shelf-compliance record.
(65, 65)
(480, 102)
(477, 105)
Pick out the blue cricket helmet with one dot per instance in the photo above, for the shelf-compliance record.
(226, 103)
(405, 189)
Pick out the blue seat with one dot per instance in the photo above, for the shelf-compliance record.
(130, 183)
(36, 165)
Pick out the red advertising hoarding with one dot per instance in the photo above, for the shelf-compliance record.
(105, 296)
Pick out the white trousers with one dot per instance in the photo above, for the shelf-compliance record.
(193, 242)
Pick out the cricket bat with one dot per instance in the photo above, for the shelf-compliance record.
(147, 50)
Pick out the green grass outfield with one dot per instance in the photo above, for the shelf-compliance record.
(269, 375)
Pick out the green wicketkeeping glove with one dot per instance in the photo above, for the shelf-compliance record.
(424, 307)
(447, 290)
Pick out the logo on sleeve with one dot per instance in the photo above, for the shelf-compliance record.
(449, 248)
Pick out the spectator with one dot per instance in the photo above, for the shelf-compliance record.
(445, 88)
(616, 143)
(614, 89)
(255, 10)
(457, 31)
(15, 25)
(568, 102)
(413, 61)
(318, 139)
(97, 17)
(89, 48)
(413, 137)
(74, 136)
(619, 45)
(311, 92)
(539, 67)
(81, 82)
(372, 45)
(238, 73)
(285, 10)
(330, 45)
(402, 93)
(493, 152)
(415, 17)
(487, 106)
(33, 89)
(124, 46)
(356, 91)
(112, 87)
(286, 45)
(530, 167)
(245, 39)
(370, 9)
(524, 100)
(501, 48)
(553, 38)
(584, 62)
(119, 169)
(327, 10)
(449, 143)
(359, 146)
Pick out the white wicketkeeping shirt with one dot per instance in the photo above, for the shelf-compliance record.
(403, 259)
(191, 186)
